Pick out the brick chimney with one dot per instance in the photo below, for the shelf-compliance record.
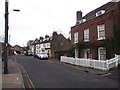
(54, 33)
(78, 16)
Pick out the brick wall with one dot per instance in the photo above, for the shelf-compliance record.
(111, 16)
(92, 25)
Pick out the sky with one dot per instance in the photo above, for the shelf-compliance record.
(41, 17)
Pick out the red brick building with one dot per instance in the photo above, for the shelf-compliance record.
(18, 49)
(97, 34)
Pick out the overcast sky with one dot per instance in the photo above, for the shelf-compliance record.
(40, 17)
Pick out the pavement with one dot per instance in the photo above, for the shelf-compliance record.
(112, 74)
(85, 69)
(14, 77)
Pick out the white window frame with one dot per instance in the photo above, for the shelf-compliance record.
(101, 30)
(100, 53)
(76, 53)
(44, 45)
(99, 13)
(87, 54)
(47, 45)
(86, 35)
(76, 37)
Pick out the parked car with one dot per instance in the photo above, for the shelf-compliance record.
(29, 53)
(36, 56)
(41, 55)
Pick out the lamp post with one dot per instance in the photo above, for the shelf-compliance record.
(6, 37)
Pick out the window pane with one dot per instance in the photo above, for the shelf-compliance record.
(101, 31)
(86, 35)
(76, 37)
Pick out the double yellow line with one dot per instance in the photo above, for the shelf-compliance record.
(30, 82)
(26, 76)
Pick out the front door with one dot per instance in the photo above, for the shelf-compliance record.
(101, 53)
(87, 54)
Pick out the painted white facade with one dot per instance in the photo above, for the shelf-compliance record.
(41, 46)
(37, 48)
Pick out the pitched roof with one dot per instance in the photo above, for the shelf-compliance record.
(17, 46)
(107, 7)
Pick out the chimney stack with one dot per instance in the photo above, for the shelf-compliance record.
(78, 15)
(54, 33)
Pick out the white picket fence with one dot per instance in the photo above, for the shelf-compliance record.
(97, 64)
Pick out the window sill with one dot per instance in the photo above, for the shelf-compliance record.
(101, 38)
(86, 40)
(75, 42)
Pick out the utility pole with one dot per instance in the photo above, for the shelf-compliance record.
(5, 53)
(6, 38)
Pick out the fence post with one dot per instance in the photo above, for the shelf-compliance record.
(61, 58)
(94, 64)
(107, 64)
(116, 59)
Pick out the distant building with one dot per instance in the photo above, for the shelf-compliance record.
(18, 49)
(54, 46)
(1, 50)
(59, 45)
(97, 34)
(9, 49)
(29, 42)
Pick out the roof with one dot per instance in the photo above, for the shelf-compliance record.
(16, 46)
(107, 7)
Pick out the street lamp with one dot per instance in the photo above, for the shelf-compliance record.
(17, 10)
(6, 37)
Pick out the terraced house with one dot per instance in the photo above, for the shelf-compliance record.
(55, 45)
(97, 34)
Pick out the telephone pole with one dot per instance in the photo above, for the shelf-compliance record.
(6, 39)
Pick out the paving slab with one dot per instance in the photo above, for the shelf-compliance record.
(14, 77)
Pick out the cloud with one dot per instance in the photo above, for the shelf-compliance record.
(41, 17)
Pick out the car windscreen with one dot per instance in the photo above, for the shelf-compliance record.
(42, 53)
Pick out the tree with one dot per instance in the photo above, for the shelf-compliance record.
(71, 51)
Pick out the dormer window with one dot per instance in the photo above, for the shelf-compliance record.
(100, 13)
(40, 40)
(47, 39)
(50, 38)
(82, 21)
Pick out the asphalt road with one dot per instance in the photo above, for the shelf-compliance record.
(52, 74)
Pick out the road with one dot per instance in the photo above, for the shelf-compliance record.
(53, 74)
